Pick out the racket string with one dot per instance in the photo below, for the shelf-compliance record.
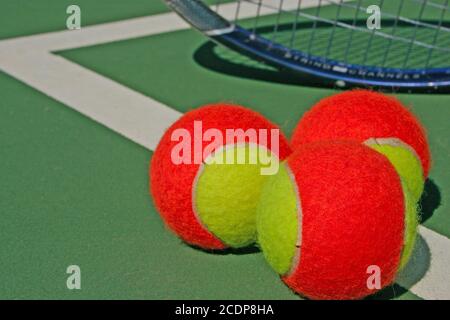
(258, 14)
(410, 47)
(238, 8)
(333, 30)
(444, 9)
(314, 27)
(352, 29)
(351, 42)
(294, 25)
(394, 30)
(277, 22)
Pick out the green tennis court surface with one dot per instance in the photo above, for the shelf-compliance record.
(80, 112)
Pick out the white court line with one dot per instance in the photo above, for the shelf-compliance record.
(138, 117)
(130, 113)
(29, 59)
(131, 28)
(435, 283)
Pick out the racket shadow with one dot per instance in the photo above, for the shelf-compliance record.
(234, 64)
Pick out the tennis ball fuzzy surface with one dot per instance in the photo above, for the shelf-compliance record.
(211, 204)
(333, 210)
(377, 120)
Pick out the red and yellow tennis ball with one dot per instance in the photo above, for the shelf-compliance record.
(377, 120)
(332, 210)
(211, 202)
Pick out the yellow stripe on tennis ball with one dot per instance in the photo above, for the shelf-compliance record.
(278, 221)
(227, 191)
(405, 161)
(411, 223)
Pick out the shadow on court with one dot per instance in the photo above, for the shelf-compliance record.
(234, 251)
(412, 273)
(430, 200)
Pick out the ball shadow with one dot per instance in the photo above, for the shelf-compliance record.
(388, 293)
(412, 273)
(430, 200)
(235, 251)
(417, 266)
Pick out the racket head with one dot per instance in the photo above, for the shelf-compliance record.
(331, 43)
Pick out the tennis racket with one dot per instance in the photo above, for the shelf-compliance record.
(338, 41)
